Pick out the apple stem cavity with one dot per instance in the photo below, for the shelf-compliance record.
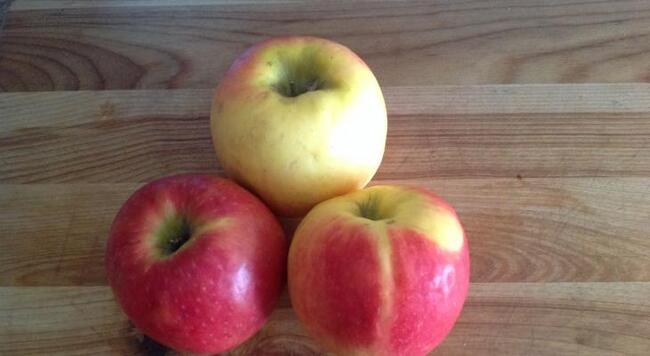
(369, 209)
(294, 89)
(173, 234)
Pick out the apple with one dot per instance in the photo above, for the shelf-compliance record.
(196, 262)
(380, 271)
(299, 120)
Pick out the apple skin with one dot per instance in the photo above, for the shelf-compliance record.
(295, 151)
(216, 290)
(381, 271)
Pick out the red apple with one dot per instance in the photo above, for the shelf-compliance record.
(196, 262)
(381, 271)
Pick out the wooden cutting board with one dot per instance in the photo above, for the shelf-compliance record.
(531, 117)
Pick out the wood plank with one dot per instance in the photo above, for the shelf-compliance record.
(406, 43)
(450, 131)
(520, 230)
(28, 110)
(63, 321)
(553, 319)
(70, 4)
(498, 318)
(83, 135)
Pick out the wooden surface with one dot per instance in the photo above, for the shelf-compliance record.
(531, 117)
(161, 44)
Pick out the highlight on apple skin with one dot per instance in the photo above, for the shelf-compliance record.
(196, 262)
(299, 120)
(380, 271)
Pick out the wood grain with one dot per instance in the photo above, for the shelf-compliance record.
(4, 6)
(594, 130)
(68, 4)
(498, 318)
(520, 230)
(552, 319)
(137, 44)
(62, 321)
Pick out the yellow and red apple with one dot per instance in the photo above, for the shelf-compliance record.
(299, 120)
(380, 271)
(196, 262)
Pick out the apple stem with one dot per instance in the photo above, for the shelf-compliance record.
(315, 84)
(292, 88)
